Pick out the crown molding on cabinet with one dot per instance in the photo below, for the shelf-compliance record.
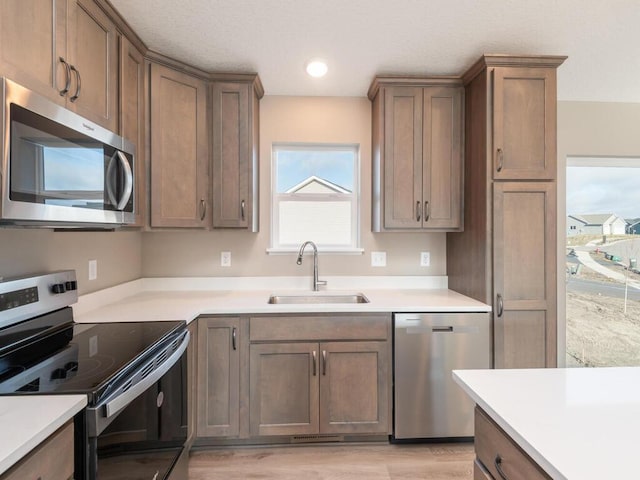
(412, 81)
(503, 60)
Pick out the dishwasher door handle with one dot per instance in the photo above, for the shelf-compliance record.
(442, 329)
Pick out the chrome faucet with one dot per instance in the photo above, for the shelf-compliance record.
(316, 282)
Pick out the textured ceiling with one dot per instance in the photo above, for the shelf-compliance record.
(362, 38)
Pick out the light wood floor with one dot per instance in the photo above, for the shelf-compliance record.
(339, 462)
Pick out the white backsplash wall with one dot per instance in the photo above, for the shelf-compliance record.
(31, 251)
(296, 119)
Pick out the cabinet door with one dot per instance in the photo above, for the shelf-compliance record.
(524, 123)
(403, 158)
(132, 116)
(179, 149)
(354, 387)
(93, 52)
(524, 263)
(32, 40)
(442, 158)
(218, 390)
(232, 151)
(283, 390)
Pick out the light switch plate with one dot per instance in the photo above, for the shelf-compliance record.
(93, 269)
(378, 259)
(425, 259)
(225, 259)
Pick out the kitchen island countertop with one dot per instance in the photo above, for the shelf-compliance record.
(185, 299)
(577, 423)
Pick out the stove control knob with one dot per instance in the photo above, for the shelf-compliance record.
(58, 374)
(58, 288)
(73, 285)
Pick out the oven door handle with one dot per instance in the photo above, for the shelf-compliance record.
(112, 407)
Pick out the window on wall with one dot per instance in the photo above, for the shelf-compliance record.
(314, 195)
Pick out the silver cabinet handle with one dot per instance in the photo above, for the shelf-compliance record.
(427, 212)
(324, 362)
(233, 338)
(418, 213)
(67, 84)
(500, 156)
(242, 210)
(500, 305)
(203, 209)
(78, 84)
(314, 355)
(498, 464)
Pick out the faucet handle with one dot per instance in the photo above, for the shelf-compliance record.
(321, 282)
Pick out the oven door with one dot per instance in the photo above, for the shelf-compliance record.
(143, 439)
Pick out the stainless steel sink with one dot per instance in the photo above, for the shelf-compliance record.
(307, 299)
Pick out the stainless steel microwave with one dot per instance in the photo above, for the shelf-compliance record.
(59, 169)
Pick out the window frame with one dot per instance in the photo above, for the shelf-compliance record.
(354, 197)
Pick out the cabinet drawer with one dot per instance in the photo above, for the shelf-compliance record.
(51, 460)
(316, 327)
(492, 444)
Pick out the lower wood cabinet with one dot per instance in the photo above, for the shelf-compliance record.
(337, 387)
(498, 456)
(51, 460)
(292, 375)
(218, 377)
(325, 388)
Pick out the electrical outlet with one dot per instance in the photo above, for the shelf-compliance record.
(378, 259)
(93, 269)
(225, 259)
(425, 259)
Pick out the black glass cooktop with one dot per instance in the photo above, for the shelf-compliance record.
(88, 358)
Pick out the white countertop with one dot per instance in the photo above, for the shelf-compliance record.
(26, 421)
(577, 424)
(187, 298)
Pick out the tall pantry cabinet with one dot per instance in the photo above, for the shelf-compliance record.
(506, 256)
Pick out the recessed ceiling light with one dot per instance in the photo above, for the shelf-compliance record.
(317, 68)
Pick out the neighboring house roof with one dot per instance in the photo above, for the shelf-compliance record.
(317, 181)
(598, 218)
(632, 221)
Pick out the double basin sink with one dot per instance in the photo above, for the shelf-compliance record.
(322, 298)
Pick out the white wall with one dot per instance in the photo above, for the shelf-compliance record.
(30, 251)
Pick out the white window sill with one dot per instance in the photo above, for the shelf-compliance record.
(321, 251)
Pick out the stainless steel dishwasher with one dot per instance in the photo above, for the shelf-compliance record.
(427, 347)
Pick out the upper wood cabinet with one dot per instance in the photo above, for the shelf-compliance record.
(64, 50)
(32, 41)
(132, 117)
(506, 256)
(92, 51)
(417, 154)
(179, 149)
(524, 123)
(235, 126)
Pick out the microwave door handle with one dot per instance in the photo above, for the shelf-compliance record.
(112, 173)
(128, 180)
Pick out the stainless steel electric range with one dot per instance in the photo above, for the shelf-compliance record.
(134, 375)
